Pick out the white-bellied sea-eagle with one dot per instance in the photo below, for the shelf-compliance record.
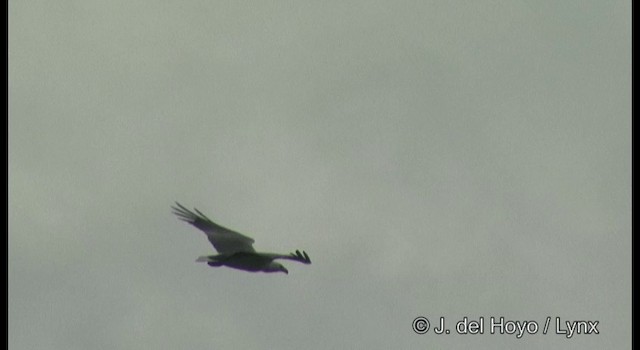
(235, 249)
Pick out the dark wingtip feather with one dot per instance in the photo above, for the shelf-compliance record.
(201, 214)
(301, 256)
(180, 206)
(183, 213)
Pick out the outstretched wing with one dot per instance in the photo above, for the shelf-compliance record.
(223, 239)
(297, 256)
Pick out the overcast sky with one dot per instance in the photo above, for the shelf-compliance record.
(434, 158)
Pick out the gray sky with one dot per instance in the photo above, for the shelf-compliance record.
(434, 158)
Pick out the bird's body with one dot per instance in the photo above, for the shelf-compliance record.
(247, 261)
(235, 249)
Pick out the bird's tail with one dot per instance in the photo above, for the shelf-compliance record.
(204, 258)
(213, 259)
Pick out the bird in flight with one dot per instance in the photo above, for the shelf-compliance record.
(235, 249)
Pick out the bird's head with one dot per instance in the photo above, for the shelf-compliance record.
(276, 267)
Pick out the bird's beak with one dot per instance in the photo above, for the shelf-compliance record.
(285, 270)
